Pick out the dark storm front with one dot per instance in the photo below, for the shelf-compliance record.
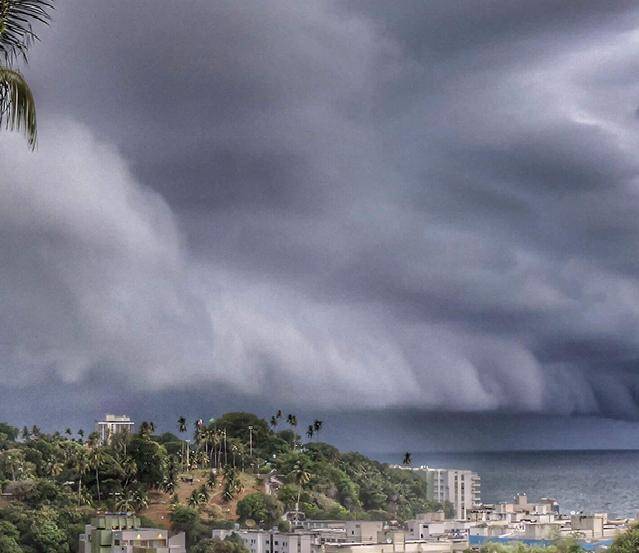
(589, 481)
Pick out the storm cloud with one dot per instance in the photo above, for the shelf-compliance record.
(416, 205)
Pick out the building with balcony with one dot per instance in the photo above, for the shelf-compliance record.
(112, 425)
(121, 533)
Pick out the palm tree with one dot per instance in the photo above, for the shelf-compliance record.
(145, 428)
(301, 477)
(196, 499)
(81, 434)
(181, 422)
(126, 502)
(232, 484)
(317, 425)
(17, 106)
(292, 421)
(274, 422)
(68, 432)
(408, 460)
(97, 456)
(53, 469)
(310, 432)
(81, 466)
(25, 433)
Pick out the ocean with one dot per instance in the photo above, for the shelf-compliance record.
(589, 481)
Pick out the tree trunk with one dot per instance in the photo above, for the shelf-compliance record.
(97, 479)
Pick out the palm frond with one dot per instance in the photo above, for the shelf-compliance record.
(16, 17)
(17, 106)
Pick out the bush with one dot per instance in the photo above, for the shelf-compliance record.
(264, 509)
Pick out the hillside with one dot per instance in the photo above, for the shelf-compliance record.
(53, 483)
(216, 508)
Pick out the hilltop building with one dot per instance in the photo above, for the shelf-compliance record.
(112, 425)
(121, 533)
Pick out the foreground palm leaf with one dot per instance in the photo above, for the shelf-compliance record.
(17, 106)
(16, 16)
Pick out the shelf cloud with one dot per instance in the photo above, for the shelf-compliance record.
(345, 205)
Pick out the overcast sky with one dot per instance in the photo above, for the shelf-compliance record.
(374, 211)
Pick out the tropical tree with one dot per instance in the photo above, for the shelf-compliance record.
(80, 463)
(263, 509)
(232, 484)
(146, 428)
(197, 498)
(310, 432)
(408, 459)
(301, 476)
(97, 456)
(181, 424)
(628, 542)
(292, 421)
(17, 105)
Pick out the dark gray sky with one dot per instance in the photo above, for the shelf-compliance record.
(416, 215)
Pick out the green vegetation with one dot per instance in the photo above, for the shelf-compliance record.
(627, 542)
(53, 483)
(562, 545)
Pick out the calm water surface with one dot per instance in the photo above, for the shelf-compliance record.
(592, 481)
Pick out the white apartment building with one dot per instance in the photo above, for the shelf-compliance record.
(461, 488)
(271, 541)
(111, 425)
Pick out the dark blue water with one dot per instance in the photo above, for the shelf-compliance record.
(592, 481)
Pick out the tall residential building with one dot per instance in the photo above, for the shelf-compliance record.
(461, 488)
(111, 425)
(121, 533)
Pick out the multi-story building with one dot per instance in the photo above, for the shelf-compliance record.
(318, 539)
(271, 541)
(461, 488)
(121, 533)
(112, 425)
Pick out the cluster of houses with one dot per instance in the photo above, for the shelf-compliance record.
(519, 521)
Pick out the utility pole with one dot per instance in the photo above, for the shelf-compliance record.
(251, 441)
(226, 459)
